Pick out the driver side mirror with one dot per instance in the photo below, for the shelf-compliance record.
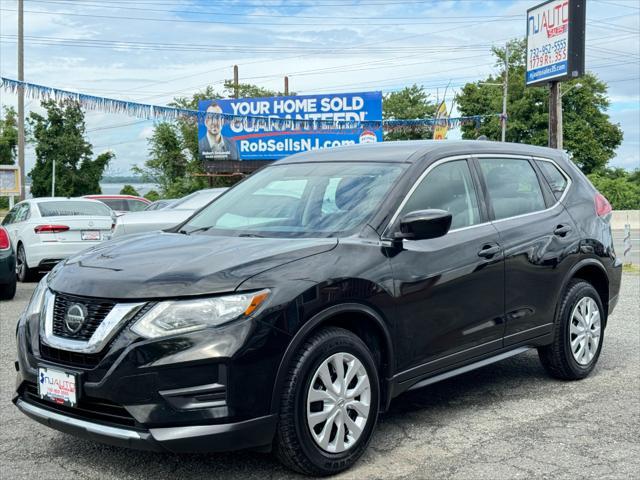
(424, 224)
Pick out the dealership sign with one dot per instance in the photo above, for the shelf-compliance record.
(274, 127)
(555, 41)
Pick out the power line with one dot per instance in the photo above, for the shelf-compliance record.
(287, 5)
(338, 49)
(263, 15)
(273, 24)
(618, 4)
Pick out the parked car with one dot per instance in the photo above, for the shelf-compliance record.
(7, 267)
(47, 230)
(122, 204)
(170, 216)
(292, 310)
(159, 204)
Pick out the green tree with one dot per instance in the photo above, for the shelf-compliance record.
(59, 138)
(8, 137)
(152, 195)
(174, 162)
(589, 136)
(129, 190)
(621, 188)
(407, 104)
(188, 126)
(169, 162)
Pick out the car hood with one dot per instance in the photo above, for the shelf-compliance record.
(161, 265)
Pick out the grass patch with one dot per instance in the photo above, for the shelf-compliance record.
(631, 268)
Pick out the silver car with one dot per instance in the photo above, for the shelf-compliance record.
(170, 216)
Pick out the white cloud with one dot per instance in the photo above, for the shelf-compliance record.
(344, 55)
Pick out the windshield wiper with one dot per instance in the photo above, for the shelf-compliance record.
(201, 229)
(254, 235)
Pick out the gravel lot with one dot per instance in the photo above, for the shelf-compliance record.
(505, 421)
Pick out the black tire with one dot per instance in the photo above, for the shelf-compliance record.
(294, 444)
(25, 274)
(8, 290)
(557, 358)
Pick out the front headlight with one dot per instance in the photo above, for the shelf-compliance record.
(37, 299)
(181, 316)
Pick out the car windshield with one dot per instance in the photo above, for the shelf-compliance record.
(299, 200)
(196, 200)
(73, 207)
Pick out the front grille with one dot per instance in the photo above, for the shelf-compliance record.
(74, 359)
(87, 361)
(97, 310)
(91, 409)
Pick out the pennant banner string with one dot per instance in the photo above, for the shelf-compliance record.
(157, 112)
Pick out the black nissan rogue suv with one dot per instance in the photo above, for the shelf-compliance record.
(290, 311)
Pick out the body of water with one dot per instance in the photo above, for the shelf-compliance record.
(114, 188)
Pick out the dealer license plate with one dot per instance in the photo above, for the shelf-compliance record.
(57, 386)
(90, 234)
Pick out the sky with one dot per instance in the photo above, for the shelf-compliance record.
(151, 51)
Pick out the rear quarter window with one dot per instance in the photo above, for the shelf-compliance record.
(554, 177)
(73, 208)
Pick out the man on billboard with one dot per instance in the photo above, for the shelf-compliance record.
(212, 145)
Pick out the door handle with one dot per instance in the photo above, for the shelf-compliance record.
(562, 230)
(489, 250)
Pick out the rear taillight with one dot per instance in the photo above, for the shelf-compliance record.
(51, 228)
(603, 207)
(5, 243)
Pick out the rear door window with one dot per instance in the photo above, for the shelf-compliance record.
(513, 186)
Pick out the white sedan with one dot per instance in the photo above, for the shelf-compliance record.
(167, 217)
(47, 230)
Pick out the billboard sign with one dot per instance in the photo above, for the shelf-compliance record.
(254, 129)
(9, 180)
(555, 41)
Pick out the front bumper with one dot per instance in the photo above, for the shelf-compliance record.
(254, 433)
(201, 391)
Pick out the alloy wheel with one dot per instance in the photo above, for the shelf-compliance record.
(585, 330)
(338, 402)
(20, 263)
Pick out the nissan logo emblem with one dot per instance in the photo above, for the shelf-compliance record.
(75, 317)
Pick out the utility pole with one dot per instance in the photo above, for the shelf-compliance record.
(505, 92)
(236, 82)
(53, 177)
(286, 86)
(555, 116)
(21, 98)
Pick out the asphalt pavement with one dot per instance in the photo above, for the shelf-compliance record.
(505, 421)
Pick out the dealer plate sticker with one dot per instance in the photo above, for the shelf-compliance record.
(57, 386)
(90, 234)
